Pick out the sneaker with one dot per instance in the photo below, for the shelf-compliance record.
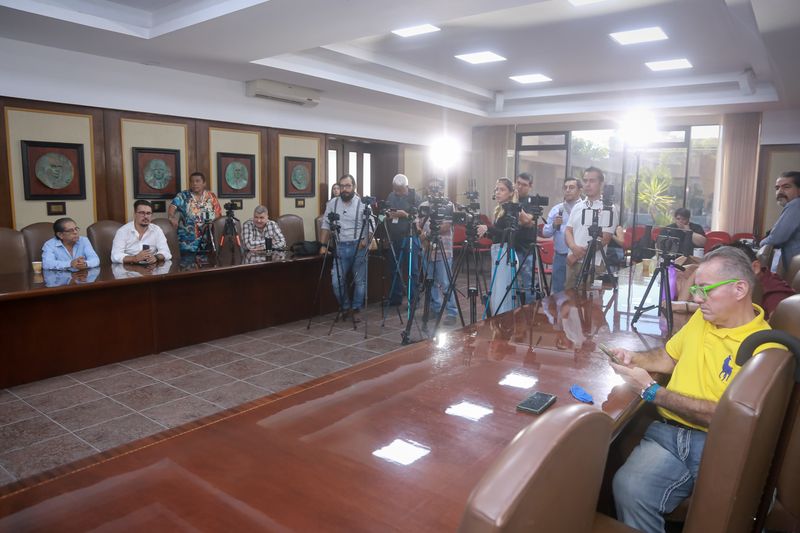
(449, 320)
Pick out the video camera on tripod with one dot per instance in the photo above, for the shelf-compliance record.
(230, 207)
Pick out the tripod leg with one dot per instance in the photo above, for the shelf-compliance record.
(641, 309)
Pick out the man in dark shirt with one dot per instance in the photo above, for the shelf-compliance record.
(525, 238)
(400, 201)
(691, 235)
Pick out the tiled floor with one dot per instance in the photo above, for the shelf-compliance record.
(53, 422)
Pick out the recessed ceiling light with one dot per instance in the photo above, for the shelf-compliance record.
(530, 78)
(642, 35)
(480, 57)
(416, 30)
(669, 64)
(584, 2)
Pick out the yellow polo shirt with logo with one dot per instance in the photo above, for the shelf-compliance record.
(705, 358)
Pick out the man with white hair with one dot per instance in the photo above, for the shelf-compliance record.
(701, 361)
(401, 201)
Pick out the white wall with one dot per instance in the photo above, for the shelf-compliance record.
(780, 127)
(43, 73)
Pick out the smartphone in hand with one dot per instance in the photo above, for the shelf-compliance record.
(606, 350)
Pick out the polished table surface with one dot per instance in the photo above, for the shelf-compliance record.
(395, 443)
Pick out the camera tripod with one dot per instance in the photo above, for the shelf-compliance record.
(476, 290)
(537, 271)
(433, 255)
(230, 232)
(409, 260)
(588, 266)
(662, 274)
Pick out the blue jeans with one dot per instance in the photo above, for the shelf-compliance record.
(559, 278)
(658, 475)
(400, 248)
(435, 270)
(502, 274)
(348, 260)
(525, 278)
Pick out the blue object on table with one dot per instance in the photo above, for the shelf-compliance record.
(580, 394)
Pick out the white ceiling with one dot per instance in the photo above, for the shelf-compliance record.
(744, 52)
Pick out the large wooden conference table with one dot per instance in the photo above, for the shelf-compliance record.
(395, 443)
(59, 322)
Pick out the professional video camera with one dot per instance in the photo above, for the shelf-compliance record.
(438, 209)
(473, 205)
(230, 207)
(533, 205)
(669, 245)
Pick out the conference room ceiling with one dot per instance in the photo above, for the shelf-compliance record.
(743, 52)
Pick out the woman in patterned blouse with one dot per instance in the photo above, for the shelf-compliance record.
(190, 212)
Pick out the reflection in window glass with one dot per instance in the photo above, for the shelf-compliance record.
(548, 168)
(660, 185)
(702, 173)
(540, 140)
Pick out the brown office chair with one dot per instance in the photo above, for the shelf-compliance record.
(219, 232)
(794, 268)
(318, 227)
(292, 229)
(35, 236)
(547, 479)
(172, 236)
(784, 514)
(741, 442)
(14, 256)
(101, 235)
(796, 283)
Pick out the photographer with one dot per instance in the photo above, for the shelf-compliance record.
(259, 228)
(351, 245)
(577, 232)
(526, 234)
(504, 196)
(401, 202)
(442, 209)
(555, 227)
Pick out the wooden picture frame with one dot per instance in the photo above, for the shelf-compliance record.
(156, 173)
(236, 176)
(299, 175)
(56, 209)
(53, 171)
(299, 203)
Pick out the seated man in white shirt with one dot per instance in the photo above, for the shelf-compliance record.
(140, 241)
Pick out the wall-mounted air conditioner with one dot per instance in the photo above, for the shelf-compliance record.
(282, 92)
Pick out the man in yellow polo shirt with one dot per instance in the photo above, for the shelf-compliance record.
(661, 471)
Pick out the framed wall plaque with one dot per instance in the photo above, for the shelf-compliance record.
(56, 209)
(156, 173)
(235, 175)
(53, 171)
(299, 174)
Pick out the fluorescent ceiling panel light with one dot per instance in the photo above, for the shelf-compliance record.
(642, 35)
(530, 78)
(579, 3)
(416, 30)
(480, 57)
(669, 64)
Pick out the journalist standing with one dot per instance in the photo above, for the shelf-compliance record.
(555, 228)
(503, 266)
(526, 236)
(350, 254)
(580, 219)
(191, 210)
(400, 202)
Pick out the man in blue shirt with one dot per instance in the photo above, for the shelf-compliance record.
(68, 250)
(785, 234)
(554, 228)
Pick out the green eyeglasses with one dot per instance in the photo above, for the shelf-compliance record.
(702, 292)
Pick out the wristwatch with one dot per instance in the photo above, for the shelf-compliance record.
(648, 393)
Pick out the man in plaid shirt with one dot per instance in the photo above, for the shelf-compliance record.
(255, 230)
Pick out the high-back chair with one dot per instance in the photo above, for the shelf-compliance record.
(292, 229)
(547, 479)
(35, 236)
(723, 236)
(14, 255)
(219, 234)
(101, 235)
(783, 514)
(794, 268)
(318, 227)
(172, 236)
(741, 442)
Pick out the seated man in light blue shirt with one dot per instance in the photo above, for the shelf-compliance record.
(554, 228)
(68, 250)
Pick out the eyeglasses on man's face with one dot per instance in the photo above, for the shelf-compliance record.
(701, 292)
(76, 229)
(145, 213)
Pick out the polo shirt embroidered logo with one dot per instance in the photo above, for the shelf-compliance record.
(727, 369)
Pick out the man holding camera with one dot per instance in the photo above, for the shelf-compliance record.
(345, 216)
(556, 229)
(525, 238)
(260, 234)
(401, 202)
(139, 241)
(577, 234)
(435, 268)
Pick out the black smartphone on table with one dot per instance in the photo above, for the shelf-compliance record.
(537, 402)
